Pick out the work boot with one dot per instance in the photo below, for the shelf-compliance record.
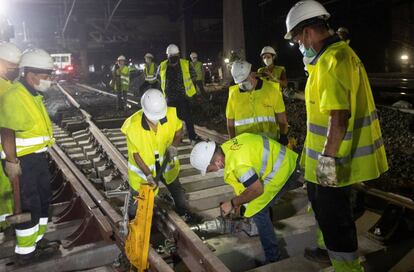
(45, 244)
(316, 254)
(24, 259)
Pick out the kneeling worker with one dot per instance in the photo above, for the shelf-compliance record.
(259, 169)
(151, 133)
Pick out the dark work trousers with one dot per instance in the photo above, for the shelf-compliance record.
(35, 192)
(147, 85)
(200, 86)
(333, 212)
(122, 100)
(264, 223)
(184, 113)
(177, 193)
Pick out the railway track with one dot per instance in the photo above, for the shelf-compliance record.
(90, 159)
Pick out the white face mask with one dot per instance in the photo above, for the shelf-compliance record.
(246, 85)
(194, 59)
(44, 85)
(268, 61)
(148, 60)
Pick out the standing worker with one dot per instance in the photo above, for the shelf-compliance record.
(9, 71)
(177, 83)
(343, 143)
(255, 105)
(121, 81)
(198, 68)
(150, 73)
(271, 71)
(260, 170)
(26, 134)
(151, 133)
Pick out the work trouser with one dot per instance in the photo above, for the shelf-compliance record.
(200, 87)
(35, 195)
(184, 113)
(6, 199)
(177, 193)
(148, 85)
(333, 212)
(264, 224)
(121, 99)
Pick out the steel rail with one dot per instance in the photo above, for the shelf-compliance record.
(194, 253)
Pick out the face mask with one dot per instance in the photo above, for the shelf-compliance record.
(147, 60)
(43, 86)
(12, 74)
(246, 85)
(268, 61)
(173, 59)
(194, 59)
(309, 53)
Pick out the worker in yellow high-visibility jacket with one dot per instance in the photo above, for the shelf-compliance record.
(121, 81)
(255, 105)
(343, 143)
(271, 71)
(178, 85)
(9, 60)
(26, 134)
(150, 74)
(151, 133)
(260, 170)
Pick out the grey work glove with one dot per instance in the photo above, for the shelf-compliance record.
(326, 171)
(13, 169)
(150, 180)
(172, 151)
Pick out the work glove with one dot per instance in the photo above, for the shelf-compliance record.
(172, 151)
(13, 169)
(151, 180)
(326, 171)
(283, 139)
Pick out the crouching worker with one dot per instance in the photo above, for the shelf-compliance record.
(260, 170)
(151, 133)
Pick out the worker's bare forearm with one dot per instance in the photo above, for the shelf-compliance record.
(141, 164)
(251, 192)
(338, 124)
(177, 137)
(8, 141)
(230, 128)
(282, 122)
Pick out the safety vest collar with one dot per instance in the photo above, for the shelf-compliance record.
(145, 125)
(29, 88)
(328, 42)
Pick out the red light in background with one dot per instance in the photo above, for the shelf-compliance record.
(69, 68)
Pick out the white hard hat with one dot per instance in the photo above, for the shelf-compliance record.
(240, 70)
(154, 104)
(149, 55)
(201, 155)
(10, 52)
(121, 57)
(36, 58)
(172, 49)
(268, 50)
(302, 11)
(193, 55)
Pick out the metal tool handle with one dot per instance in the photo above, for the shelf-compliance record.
(162, 169)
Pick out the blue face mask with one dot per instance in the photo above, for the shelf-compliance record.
(309, 53)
